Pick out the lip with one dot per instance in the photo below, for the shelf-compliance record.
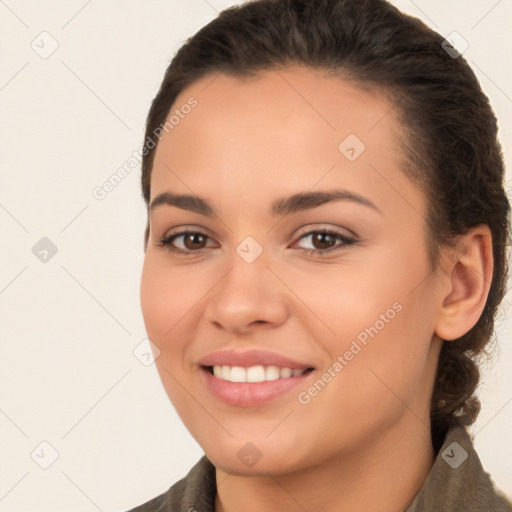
(247, 394)
(251, 358)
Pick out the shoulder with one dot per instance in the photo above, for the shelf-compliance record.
(457, 480)
(196, 491)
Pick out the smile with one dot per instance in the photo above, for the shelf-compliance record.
(255, 385)
(258, 373)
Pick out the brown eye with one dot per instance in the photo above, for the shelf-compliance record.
(194, 241)
(325, 241)
(184, 242)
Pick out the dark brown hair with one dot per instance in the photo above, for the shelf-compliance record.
(451, 144)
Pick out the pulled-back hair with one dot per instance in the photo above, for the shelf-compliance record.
(451, 146)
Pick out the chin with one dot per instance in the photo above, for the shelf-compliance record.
(274, 464)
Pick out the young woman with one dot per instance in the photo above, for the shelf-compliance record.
(325, 254)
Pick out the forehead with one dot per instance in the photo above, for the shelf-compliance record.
(285, 129)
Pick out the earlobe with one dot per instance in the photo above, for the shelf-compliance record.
(470, 280)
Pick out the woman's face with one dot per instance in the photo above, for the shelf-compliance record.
(256, 276)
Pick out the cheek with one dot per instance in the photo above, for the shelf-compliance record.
(347, 298)
(166, 295)
(383, 288)
(168, 300)
(376, 314)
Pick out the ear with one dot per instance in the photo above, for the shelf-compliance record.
(470, 270)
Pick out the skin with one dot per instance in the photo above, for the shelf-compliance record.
(363, 442)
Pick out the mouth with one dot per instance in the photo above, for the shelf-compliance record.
(254, 374)
(255, 385)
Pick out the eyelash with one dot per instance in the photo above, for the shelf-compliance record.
(166, 242)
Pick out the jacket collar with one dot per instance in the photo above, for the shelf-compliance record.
(456, 482)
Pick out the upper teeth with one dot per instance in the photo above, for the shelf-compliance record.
(254, 373)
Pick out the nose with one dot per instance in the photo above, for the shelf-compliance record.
(248, 297)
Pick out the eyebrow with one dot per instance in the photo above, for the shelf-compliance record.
(280, 207)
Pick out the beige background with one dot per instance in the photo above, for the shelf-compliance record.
(69, 325)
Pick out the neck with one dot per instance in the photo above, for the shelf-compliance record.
(384, 474)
